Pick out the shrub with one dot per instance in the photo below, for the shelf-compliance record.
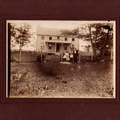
(51, 68)
(39, 57)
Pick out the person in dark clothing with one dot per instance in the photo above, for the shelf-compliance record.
(75, 55)
(71, 57)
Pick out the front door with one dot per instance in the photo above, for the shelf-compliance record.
(58, 47)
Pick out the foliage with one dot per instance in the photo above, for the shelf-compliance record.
(100, 35)
(70, 32)
(20, 34)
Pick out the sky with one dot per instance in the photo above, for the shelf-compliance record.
(56, 23)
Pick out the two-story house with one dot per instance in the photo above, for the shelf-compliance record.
(51, 40)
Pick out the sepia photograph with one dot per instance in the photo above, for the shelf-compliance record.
(60, 59)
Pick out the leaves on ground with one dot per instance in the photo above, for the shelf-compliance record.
(52, 79)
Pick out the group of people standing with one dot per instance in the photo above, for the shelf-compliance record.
(71, 56)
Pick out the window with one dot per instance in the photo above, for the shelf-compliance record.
(50, 38)
(65, 39)
(73, 39)
(50, 46)
(58, 37)
(42, 37)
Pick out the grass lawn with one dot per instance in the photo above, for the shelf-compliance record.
(53, 79)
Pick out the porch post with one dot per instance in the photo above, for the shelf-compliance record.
(55, 48)
(46, 47)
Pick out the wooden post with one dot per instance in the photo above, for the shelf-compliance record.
(20, 55)
(62, 53)
(41, 55)
(20, 50)
(73, 55)
(79, 57)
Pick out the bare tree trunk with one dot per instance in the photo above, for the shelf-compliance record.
(103, 54)
(91, 41)
(95, 45)
(111, 57)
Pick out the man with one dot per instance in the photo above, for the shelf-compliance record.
(75, 55)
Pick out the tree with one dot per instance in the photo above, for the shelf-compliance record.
(99, 34)
(109, 37)
(19, 35)
(70, 32)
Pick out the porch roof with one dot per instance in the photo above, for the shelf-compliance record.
(67, 42)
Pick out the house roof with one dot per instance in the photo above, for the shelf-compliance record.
(51, 31)
(67, 42)
(48, 31)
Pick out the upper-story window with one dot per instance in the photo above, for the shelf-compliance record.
(42, 37)
(58, 37)
(50, 38)
(73, 39)
(65, 39)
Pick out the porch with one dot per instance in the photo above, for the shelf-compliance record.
(57, 46)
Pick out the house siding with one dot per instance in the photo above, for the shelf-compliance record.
(46, 41)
